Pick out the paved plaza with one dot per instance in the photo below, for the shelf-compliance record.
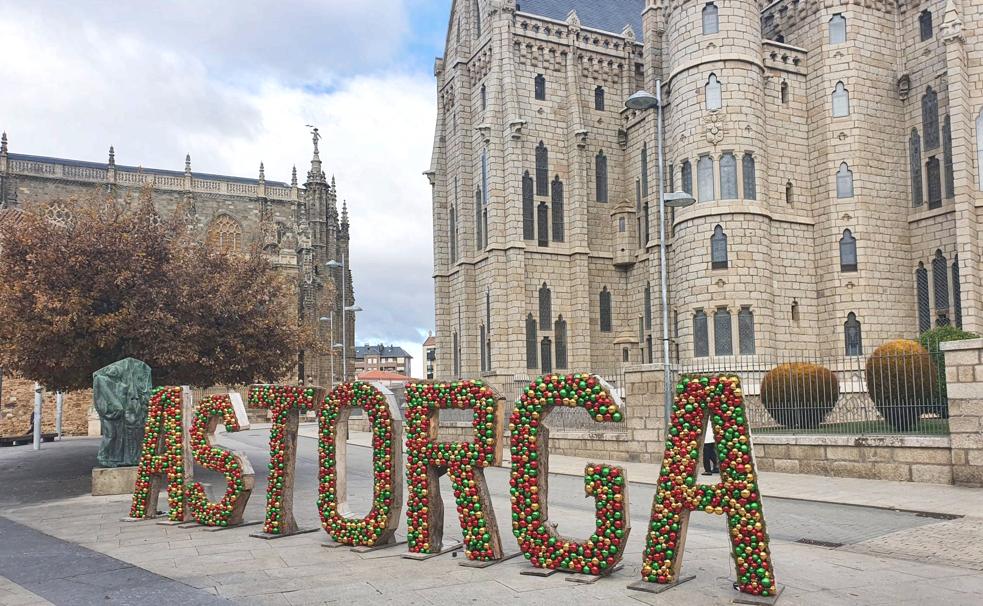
(59, 545)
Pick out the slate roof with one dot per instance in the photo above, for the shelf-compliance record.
(385, 351)
(147, 171)
(607, 15)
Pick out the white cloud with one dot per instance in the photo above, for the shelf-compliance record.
(233, 87)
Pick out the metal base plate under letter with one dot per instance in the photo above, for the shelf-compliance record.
(488, 563)
(269, 537)
(427, 556)
(757, 600)
(658, 587)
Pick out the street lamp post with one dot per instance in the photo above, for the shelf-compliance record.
(643, 100)
(345, 308)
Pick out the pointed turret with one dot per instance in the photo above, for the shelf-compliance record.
(952, 23)
(112, 156)
(344, 214)
(262, 173)
(3, 143)
(187, 164)
(316, 174)
(293, 178)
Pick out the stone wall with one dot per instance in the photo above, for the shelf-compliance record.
(17, 406)
(964, 375)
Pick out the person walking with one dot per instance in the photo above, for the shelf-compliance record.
(711, 464)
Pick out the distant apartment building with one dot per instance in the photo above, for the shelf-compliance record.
(385, 358)
(430, 356)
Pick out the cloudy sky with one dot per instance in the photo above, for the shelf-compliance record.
(233, 82)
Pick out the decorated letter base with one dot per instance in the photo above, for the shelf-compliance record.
(269, 536)
(591, 579)
(489, 563)
(427, 556)
(757, 600)
(393, 542)
(658, 587)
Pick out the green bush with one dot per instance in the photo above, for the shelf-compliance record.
(800, 395)
(930, 340)
(902, 382)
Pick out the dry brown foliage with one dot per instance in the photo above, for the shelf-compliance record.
(117, 280)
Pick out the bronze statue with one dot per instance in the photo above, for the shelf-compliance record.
(121, 392)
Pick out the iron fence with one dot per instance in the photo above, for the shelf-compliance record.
(898, 393)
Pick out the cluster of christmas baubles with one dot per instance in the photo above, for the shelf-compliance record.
(216, 459)
(539, 541)
(462, 461)
(716, 400)
(368, 530)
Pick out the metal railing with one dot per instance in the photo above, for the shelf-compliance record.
(894, 394)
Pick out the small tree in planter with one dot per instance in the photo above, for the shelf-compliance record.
(902, 381)
(930, 340)
(799, 395)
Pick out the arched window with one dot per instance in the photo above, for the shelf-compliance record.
(477, 19)
(545, 307)
(648, 349)
(957, 295)
(933, 174)
(750, 177)
(925, 25)
(645, 170)
(795, 311)
(543, 224)
(711, 19)
(224, 235)
(528, 207)
(605, 309)
(532, 342)
(789, 192)
(848, 251)
(646, 222)
(852, 336)
(915, 168)
(452, 234)
(950, 177)
(484, 98)
(844, 181)
(601, 166)
(723, 336)
(638, 212)
(783, 92)
(648, 306)
(718, 249)
(940, 286)
(714, 94)
(745, 331)
(701, 335)
(837, 29)
(484, 176)
(540, 86)
(479, 242)
(560, 332)
(924, 307)
(728, 176)
(559, 230)
(841, 101)
(622, 225)
(930, 118)
(704, 175)
(686, 176)
(542, 170)
(599, 98)
(546, 355)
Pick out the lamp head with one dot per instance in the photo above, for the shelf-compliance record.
(642, 100)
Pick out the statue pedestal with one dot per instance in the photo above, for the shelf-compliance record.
(108, 481)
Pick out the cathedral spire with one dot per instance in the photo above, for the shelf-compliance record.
(262, 172)
(3, 143)
(112, 156)
(293, 179)
(316, 175)
(187, 164)
(344, 212)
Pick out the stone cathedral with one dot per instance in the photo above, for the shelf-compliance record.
(834, 149)
(299, 228)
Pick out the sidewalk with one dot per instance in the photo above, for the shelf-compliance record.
(902, 496)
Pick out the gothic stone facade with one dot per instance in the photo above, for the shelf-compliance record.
(299, 228)
(834, 149)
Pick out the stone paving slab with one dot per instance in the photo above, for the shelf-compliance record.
(12, 594)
